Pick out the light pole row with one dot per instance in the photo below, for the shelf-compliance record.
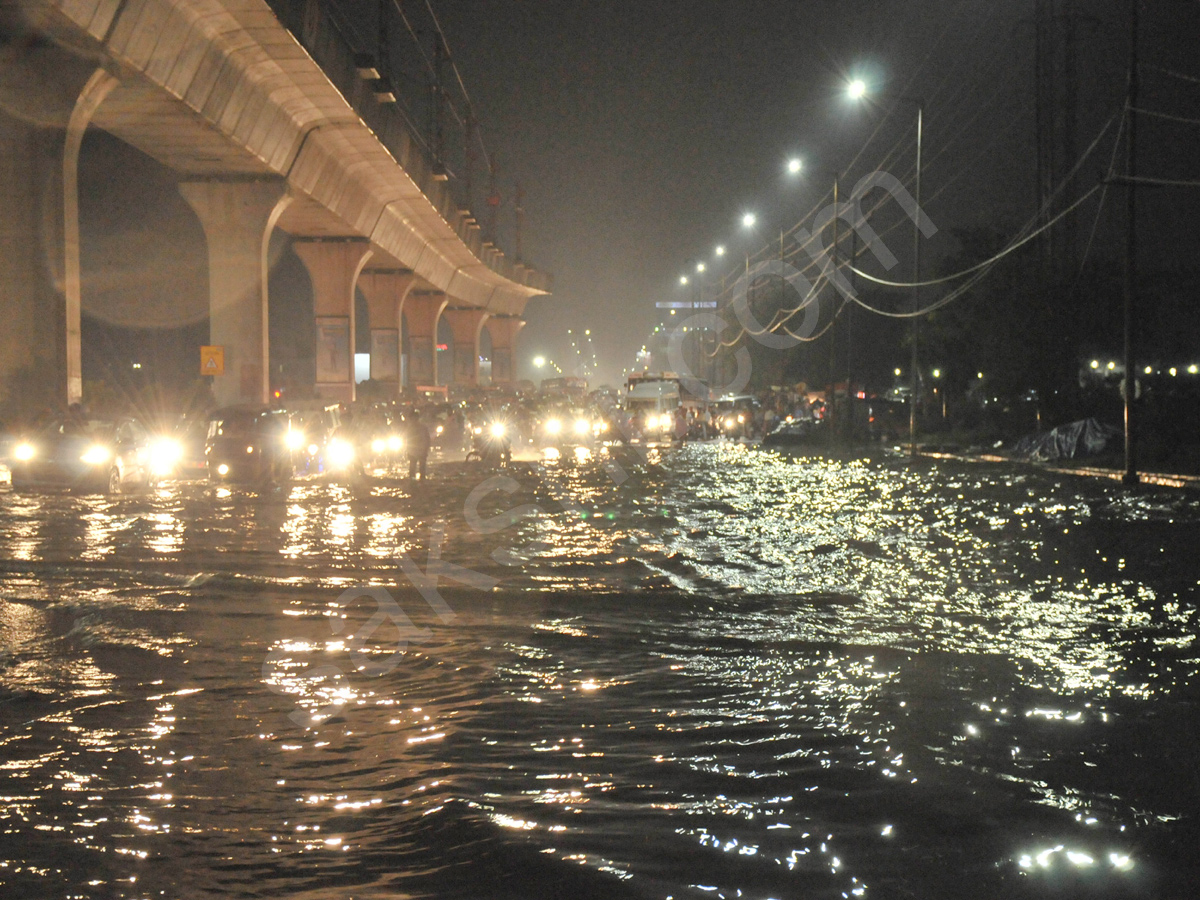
(858, 89)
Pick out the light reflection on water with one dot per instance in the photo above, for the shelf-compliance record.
(724, 671)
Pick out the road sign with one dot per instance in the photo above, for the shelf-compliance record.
(212, 360)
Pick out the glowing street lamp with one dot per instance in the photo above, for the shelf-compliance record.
(539, 362)
(683, 279)
(857, 90)
(720, 251)
(748, 220)
(700, 268)
(794, 166)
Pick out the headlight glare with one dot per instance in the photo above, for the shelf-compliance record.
(341, 453)
(165, 454)
(96, 455)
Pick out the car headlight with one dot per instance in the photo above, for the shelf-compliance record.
(313, 449)
(741, 418)
(666, 423)
(582, 426)
(729, 422)
(341, 453)
(394, 443)
(165, 454)
(222, 469)
(96, 455)
(24, 452)
(378, 445)
(651, 421)
(498, 429)
(294, 440)
(553, 426)
(440, 429)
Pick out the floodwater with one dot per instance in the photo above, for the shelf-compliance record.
(713, 672)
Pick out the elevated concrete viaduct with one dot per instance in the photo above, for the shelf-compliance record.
(268, 128)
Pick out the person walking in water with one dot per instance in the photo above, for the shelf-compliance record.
(416, 445)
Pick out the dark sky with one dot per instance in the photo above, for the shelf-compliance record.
(643, 129)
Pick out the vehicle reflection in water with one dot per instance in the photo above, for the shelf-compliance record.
(703, 671)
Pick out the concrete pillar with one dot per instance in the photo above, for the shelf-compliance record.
(422, 310)
(333, 268)
(89, 100)
(503, 331)
(465, 324)
(385, 290)
(30, 336)
(237, 217)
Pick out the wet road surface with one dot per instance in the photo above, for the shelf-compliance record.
(712, 672)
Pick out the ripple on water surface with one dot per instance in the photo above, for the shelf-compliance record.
(710, 672)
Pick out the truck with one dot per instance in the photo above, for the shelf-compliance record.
(650, 403)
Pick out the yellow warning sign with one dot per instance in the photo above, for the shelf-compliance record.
(212, 360)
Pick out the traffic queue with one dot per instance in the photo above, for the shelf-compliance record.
(257, 445)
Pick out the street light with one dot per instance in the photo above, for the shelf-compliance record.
(794, 166)
(700, 268)
(748, 220)
(683, 279)
(720, 251)
(857, 89)
(539, 362)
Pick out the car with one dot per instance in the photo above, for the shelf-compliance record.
(566, 426)
(310, 432)
(178, 453)
(248, 445)
(91, 455)
(379, 435)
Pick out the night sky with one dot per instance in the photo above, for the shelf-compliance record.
(642, 131)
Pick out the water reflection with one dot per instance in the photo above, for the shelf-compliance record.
(705, 672)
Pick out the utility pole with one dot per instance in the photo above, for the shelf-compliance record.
(916, 322)
(1130, 391)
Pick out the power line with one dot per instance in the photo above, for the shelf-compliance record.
(1155, 114)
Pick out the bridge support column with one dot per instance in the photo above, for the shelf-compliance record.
(385, 290)
(333, 268)
(237, 218)
(422, 310)
(30, 338)
(503, 331)
(89, 100)
(465, 324)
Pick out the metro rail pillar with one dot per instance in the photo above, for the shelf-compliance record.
(466, 322)
(333, 267)
(237, 217)
(503, 331)
(422, 310)
(386, 290)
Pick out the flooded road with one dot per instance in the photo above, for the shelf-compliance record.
(713, 672)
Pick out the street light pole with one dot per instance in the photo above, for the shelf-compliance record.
(1131, 474)
(858, 89)
(916, 322)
